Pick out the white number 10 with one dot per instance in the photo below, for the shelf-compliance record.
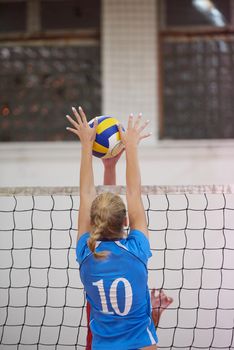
(113, 296)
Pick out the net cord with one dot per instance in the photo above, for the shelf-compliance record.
(151, 190)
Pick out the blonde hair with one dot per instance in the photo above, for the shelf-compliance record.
(107, 216)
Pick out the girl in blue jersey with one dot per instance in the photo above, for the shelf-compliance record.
(159, 301)
(113, 267)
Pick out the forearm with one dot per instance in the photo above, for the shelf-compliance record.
(87, 190)
(86, 135)
(133, 177)
(156, 316)
(87, 187)
(136, 212)
(109, 175)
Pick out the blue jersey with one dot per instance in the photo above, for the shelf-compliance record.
(118, 293)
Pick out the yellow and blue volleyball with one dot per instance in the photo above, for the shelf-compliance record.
(107, 143)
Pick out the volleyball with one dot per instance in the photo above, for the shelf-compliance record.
(107, 143)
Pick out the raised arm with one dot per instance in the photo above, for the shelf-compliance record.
(86, 134)
(131, 138)
(110, 169)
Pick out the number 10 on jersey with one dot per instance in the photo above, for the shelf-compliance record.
(113, 296)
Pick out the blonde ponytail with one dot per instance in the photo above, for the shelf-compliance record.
(107, 216)
(92, 246)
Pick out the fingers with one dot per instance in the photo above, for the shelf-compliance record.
(80, 126)
(120, 154)
(138, 120)
(76, 114)
(162, 295)
(94, 128)
(83, 116)
(72, 121)
(144, 136)
(138, 124)
(144, 125)
(74, 131)
(130, 119)
(153, 292)
(134, 130)
(95, 123)
(164, 300)
(121, 130)
(80, 118)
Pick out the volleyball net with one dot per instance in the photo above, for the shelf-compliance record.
(42, 301)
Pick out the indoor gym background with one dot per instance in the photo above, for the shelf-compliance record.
(169, 60)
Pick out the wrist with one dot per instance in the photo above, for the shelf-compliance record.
(108, 171)
(87, 146)
(131, 151)
(131, 146)
(109, 167)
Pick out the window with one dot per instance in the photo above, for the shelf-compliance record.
(70, 14)
(12, 17)
(189, 13)
(47, 66)
(196, 65)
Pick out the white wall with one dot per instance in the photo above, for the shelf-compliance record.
(129, 67)
(168, 163)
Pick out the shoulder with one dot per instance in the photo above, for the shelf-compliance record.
(82, 249)
(138, 244)
(139, 237)
(137, 234)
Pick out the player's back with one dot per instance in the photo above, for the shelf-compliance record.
(118, 293)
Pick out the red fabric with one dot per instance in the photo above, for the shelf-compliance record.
(89, 334)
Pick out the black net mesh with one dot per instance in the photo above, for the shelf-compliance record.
(42, 301)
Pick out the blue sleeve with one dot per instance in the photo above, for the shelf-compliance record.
(138, 244)
(82, 250)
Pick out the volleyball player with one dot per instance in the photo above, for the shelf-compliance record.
(113, 268)
(160, 301)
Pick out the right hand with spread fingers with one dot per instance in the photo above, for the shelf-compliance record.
(134, 133)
